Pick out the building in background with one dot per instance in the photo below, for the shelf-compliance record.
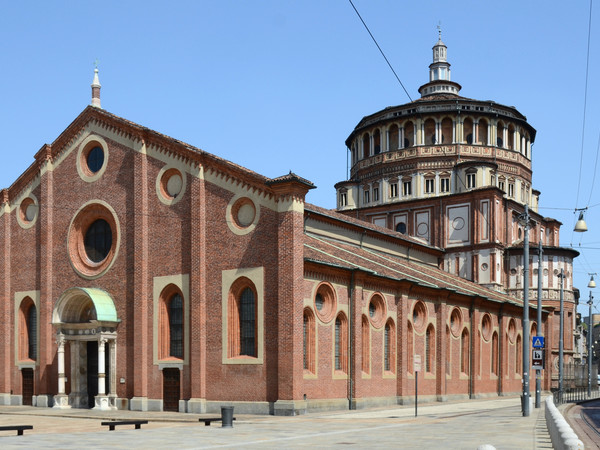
(455, 173)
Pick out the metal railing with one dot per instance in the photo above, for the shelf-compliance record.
(574, 395)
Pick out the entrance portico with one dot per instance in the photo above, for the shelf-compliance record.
(86, 319)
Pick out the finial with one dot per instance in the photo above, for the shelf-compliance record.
(439, 28)
(96, 87)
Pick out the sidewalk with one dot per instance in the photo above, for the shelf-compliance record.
(460, 425)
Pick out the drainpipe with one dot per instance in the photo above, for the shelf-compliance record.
(472, 352)
(500, 347)
(350, 338)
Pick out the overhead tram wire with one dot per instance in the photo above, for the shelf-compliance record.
(587, 70)
(381, 51)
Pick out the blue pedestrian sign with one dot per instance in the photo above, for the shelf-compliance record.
(538, 342)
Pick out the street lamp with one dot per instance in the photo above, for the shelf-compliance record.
(540, 332)
(580, 226)
(524, 218)
(590, 338)
(561, 275)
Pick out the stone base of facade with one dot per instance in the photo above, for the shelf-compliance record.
(4, 399)
(290, 407)
(43, 401)
(193, 405)
(265, 408)
(104, 403)
(372, 402)
(145, 404)
(61, 401)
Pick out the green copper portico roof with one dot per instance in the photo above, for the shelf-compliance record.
(80, 305)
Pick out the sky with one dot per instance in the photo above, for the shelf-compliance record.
(278, 85)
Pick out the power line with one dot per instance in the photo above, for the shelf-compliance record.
(381, 51)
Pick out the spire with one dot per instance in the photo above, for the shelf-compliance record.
(439, 72)
(96, 88)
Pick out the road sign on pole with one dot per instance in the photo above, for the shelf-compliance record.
(537, 360)
(538, 342)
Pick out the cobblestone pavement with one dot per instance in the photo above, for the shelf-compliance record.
(460, 425)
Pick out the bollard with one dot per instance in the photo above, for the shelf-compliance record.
(226, 416)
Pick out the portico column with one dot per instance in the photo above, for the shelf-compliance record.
(61, 364)
(101, 367)
(61, 400)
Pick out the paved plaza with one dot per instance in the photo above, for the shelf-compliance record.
(461, 425)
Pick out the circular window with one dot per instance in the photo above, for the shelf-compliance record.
(377, 310)
(486, 327)
(512, 330)
(401, 227)
(458, 223)
(419, 316)
(92, 158)
(243, 212)
(170, 185)
(484, 267)
(455, 322)
(422, 229)
(28, 212)
(95, 159)
(93, 240)
(242, 215)
(325, 302)
(98, 240)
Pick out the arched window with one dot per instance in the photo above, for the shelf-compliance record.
(366, 140)
(247, 312)
(495, 353)
(410, 349)
(341, 343)
(171, 323)
(429, 349)
(482, 132)
(468, 131)
(393, 136)
(519, 356)
(28, 330)
(464, 351)
(389, 347)
(176, 326)
(366, 345)
(447, 131)
(309, 340)
(376, 142)
(430, 138)
(409, 134)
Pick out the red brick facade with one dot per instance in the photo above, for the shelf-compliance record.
(247, 257)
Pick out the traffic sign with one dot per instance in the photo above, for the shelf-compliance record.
(537, 359)
(538, 342)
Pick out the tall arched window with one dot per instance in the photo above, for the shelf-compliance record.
(464, 351)
(495, 353)
(366, 345)
(171, 323)
(341, 343)
(389, 347)
(32, 332)
(309, 341)
(482, 132)
(429, 349)
(242, 319)
(519, 356)
(28, 330)
(176, 326)
(247, 323)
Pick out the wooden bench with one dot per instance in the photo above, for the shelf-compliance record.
(113, 423)
(208, 420)
(18, 428)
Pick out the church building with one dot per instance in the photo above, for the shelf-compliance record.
(139, 272)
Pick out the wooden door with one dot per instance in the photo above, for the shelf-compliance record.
(27, 376)
(92, 372)
(171, 388)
